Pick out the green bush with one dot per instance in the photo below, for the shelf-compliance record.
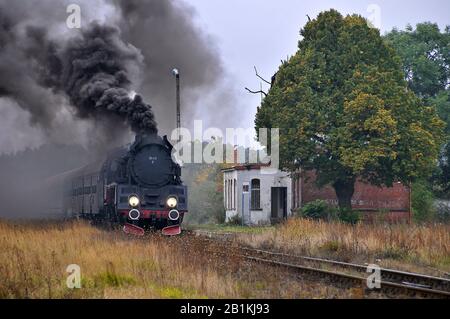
(349, 216)
(422, 202)
(318, 209)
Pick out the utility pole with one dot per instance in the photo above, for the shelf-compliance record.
(176, 73)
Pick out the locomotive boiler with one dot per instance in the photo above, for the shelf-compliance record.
(138, 187)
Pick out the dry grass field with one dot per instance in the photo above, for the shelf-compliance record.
(423, 248)
(33, 261)
(34, 258)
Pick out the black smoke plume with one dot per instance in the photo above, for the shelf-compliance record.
(93, 70)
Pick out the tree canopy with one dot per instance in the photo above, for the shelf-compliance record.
(425, 55)
(344, 109)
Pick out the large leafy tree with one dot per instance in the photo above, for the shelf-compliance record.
(344, 110)
(425, 54)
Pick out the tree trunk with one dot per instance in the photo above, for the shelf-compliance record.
(344, 191)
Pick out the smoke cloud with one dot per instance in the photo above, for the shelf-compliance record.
(89, 74)
(167, 37)
(93, 71)
(61, 86)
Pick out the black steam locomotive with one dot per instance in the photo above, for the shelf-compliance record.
(138, 186)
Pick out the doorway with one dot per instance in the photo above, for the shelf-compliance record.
(279, 202)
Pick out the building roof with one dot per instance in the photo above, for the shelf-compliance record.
(245, 167)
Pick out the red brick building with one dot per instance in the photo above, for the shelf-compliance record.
(394, 201)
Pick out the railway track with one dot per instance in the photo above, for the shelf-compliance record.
(393, 282)
(391, 275)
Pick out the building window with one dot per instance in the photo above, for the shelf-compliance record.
(235, 194)
(232, 194)
(230, 203)
(229, 194)
(225, 192)
(256, 194)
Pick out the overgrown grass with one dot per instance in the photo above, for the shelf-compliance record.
(34, 258)
(33, 262)
(410, 245)
(224, 228)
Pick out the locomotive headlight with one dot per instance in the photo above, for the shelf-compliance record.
(172, 202)
(133, 200)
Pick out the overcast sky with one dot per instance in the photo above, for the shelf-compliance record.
(262, 32)
(247, 33)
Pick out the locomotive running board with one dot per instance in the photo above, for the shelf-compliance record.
(133, 230)
(172, 230)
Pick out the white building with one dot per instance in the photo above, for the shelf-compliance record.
(257, 198)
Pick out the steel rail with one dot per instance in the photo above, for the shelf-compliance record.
(401, 277)
(385, 286)
(406, 282)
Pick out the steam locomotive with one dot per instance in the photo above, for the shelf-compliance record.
(138, 187)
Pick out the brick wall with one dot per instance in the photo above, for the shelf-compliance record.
(367, 198)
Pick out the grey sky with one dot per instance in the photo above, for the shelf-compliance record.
(261, 33)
